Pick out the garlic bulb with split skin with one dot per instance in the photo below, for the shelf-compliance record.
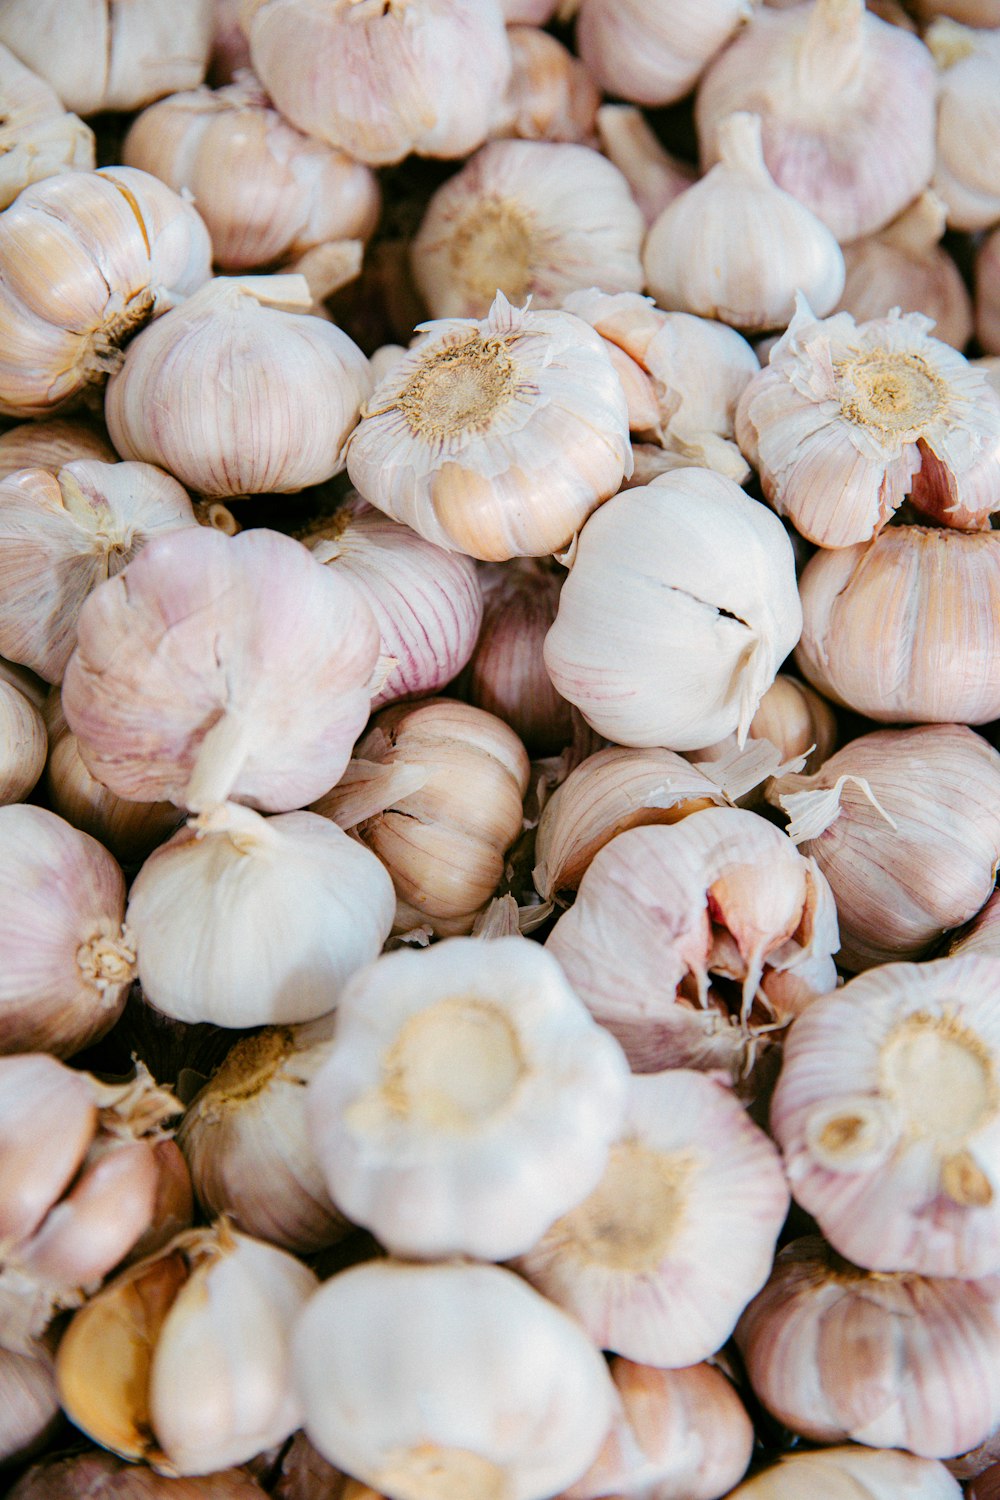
(652, 51)
(52, 444)
(38, 139)
(550, 96)
(851, 1473)
(967, 168)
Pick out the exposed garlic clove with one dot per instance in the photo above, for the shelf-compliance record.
(799, 725)
(987, 274)
(848, 148)
(654, 177)
(536, 384)
(29, 1402)
(23, 744)
(851, 1474)
(472, 1383)
(550, 96)
(51, 445)
(652, 51)
(38, 139)
(967, 168)
(97, 1472)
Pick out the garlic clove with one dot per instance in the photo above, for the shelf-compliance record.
(38, 139)
(36, 1166)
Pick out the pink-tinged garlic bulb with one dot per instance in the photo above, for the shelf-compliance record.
(240, 391)
(847, 420)
(467, 1101)
(881, 813)
(23, 744)
(436, 791)
(967, 168)
(904, 266)
(266, 191)
(368, 76)
(987, 274)
(95, 1472)
(29, 1401)
(184, 1360)
(851, 1474)
(85, 260)
(666, 1252)
(495, 438)
(905, 628)
(680, 607)
(680, 1435)
(471, 1383)
(51, 445)
(888, 1113)
(834, 136)
(532, 219)
(248, 921)
(652, 51)
(181, 682)
(428, 602)
(38, 138)
(982, 935)
(737, 247)
(79, 1165)
(653, 175)
(550, 96)
(826, 1346)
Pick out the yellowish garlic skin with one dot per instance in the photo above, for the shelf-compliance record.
(652, 51)
(851, 1473)
(52, 444)
(38, 139)
(967, 168)
(551, 96)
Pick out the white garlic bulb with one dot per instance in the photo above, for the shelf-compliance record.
(652, 51)
(851, 1473)
(52, 444)
(23, 744)
(967, 167)
(37, 137)
(551, 95)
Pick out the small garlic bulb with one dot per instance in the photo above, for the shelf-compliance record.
(29, 1401)
(213, 144)
(51, 445)
(37, 137)
(652, 51)
(528, 218)
(850, 149)
(495, 438)
(550, 96)
(967, 168)
(23, 744)
(987, 273)
(653, 175)
(851, 1473)
(250, 393)
(367, 75)
(248, 921)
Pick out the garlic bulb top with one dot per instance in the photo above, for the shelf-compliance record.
(37, 137)
(967, 168)
(652, 51)
(367, 76)
(834, 136)
(495, 438)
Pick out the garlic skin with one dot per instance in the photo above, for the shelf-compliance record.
(97, 1472)
(38, 139)
(51, 445)
(230, 47)
(532, 219)
(29, 1402)
(185, 666)
(209, 373)
(736, 247)
(851, 1473)
(968, 12)
(216, 143)
(967, 166)
(528, 12)
(472, 1383)
(248, 921)
(824, 1345)
(981, 935)
(987, 277)
(368, 78)
(847, 420)
(86, 259)
(536, 384)
(23, 745)
(852, 151)
(653, 175)
(792, 718)
(550, 96)
(652, 51)
(648, 656)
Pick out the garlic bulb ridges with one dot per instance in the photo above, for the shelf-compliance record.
(37, 137)
(652, 51)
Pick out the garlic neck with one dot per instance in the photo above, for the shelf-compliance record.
(831, 51)
(218, 763)
(740, 145)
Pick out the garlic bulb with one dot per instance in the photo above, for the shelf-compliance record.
(23, 744)
(663, 1256)
(528, 218)
(86, 259)
(471, 1383)
(851, 1474)
(251, 394)
(825, 1346)
(736, 247)
(887, 1113)
(969, 12)
(550, 96)
(653, 175)
(850, 149)
(679, 609)
(904, 628)
(51, 445)
(528, 12)
(967, 168)
(184, 1360)
(883, 811)
(248, 921)
(180, 683)
(791, 717)
(987, 273)
(427, 602)
(37, 137)
(368, 77)
(652, 51)
(436, 791)
(982, 934)
(214, 143)
(95, 1472)
(29, 1402)
(495, 438)
(848, 420)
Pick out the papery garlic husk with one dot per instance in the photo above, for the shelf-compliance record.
(888, 1113)
(95, 1472)
(851, 1473)
(368, 77)
(495, 438)
(265, 190)
(435, 791)
(666, 1252)
(904, 628)
(791, 717)
(306, 1475)
(847, 420)
(834, 136)
(678, 611)
(652, 51)
(38, 139)
(29, 1401)
(51, 445)
(987, 274)
(550, 96)
(681, 1435)
(248, 921)
(534, 219)
(86, 259)
(23, 744)
(68, 962)
(244, 1137)
(428, 602)
(891, 1361)
(880, 814)
(61, 535)
(186, 670)
(472, 1383)
(251, 394)
(904, 266)
(654, 176)
(736, 247)
(967, 166)
(184, 1360)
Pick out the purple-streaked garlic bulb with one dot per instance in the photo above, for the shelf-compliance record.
(652, 51)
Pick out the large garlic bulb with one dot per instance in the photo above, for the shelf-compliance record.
(38, 138)
(652, 51)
